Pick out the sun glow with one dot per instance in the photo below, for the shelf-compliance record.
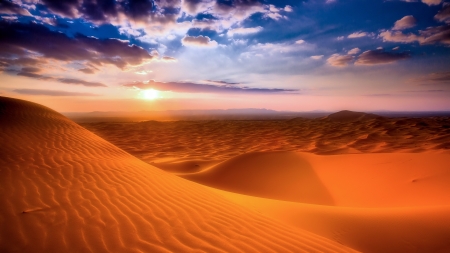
(151, 94)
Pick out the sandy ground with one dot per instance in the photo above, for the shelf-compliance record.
(206, 141)
(223, 186)
(63, 189)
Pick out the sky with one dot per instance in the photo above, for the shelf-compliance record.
(119, 55)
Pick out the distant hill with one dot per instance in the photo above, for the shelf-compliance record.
(345, 116)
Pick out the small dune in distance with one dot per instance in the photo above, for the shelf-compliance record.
(341, 182)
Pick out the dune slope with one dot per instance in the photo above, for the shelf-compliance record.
(64, 189)
(421, 229)
(276, 175)
(354, 180)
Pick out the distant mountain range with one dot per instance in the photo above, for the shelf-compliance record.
(238, 114)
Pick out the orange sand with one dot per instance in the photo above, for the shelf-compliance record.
(63, 189)
(382, 186)
(183, 141)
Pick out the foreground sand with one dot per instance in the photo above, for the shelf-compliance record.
(63, 189)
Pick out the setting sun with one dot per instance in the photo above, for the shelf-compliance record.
(151, 94)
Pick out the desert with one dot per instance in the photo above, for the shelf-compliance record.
(65, 188)
(224, 126)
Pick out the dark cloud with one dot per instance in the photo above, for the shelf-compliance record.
(192, 6)
(56, 93)
(137, 9)
(221, 82)
(80, 82)
(435, 78)
(8, 7)
(99, 10)
(34, 75)
(67, 8)
(27, 73)
(31, 69)
(237, 7)
(201, 88)
(373, 57)
(106, 11)
(39, 39)
(87, 70)
(23, 61)
(439, 34)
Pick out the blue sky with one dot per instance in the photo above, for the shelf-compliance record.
(86, 55)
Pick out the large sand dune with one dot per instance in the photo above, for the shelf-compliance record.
(420, 229)
(355, 180)
(395, 202)
(374, 184)
(64, 189)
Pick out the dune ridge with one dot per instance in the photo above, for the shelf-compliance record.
(64, 189)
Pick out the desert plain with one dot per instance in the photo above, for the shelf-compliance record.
(346, 182)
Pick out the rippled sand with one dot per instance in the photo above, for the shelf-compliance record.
(222, 186)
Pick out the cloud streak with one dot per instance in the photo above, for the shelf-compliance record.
(54, 93)
(189, 87)
(32, 74)
(374, 57)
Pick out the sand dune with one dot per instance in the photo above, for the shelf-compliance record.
(347, 116)
(221, 140)
(389, 230)
(64, 189)
(374, 184)
(276, 175)
(395, 202)
(357, 180)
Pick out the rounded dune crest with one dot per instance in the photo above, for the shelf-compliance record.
(278, 175)
(345, 116)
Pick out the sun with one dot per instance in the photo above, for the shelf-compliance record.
(151, 94)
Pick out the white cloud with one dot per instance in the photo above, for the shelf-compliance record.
(244, 31)
(199, 41)
(288, 8)
(405, 23)
(316, 57)
(354, 51)
(432, 2)
(338, 60)
(357, 35)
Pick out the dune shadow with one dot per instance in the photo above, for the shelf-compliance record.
(277, 175)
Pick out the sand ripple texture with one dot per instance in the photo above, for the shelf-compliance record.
(221, 140)
(64, 189)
